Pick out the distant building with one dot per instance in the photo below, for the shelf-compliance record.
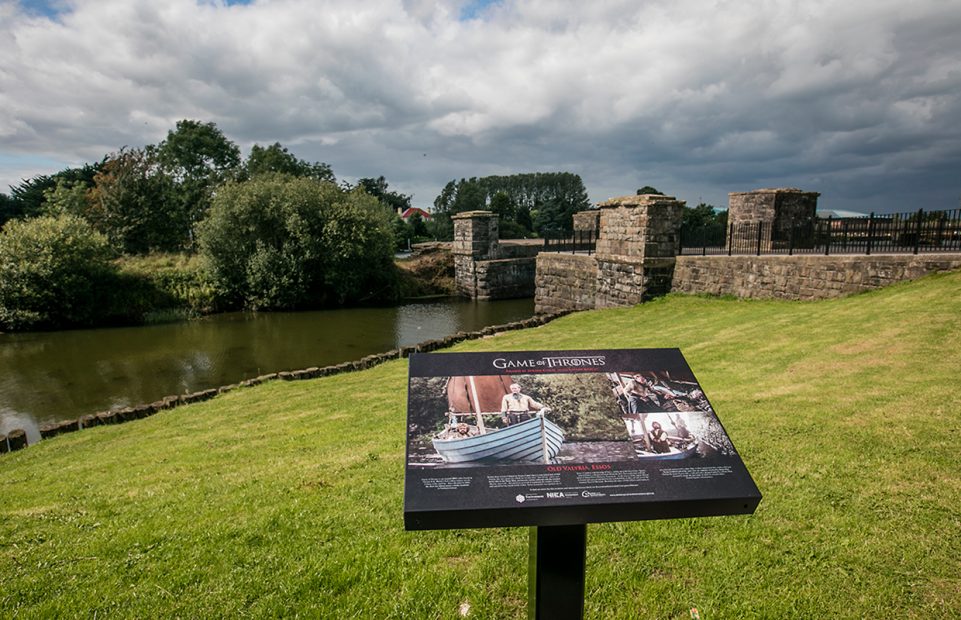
(405, 215)
(836, 213)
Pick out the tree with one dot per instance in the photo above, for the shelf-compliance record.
(28, 197)
(541, 200)
(67, 197)
(417, 225)
(54, 272)
(276, 158)
(198, 157)
(8, 209)
(378, 188)
(702, 215)
(647, 189)
(502, 205)
(134, 203)
(281, 242)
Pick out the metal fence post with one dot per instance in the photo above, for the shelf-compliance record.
(827, 239)
(760, 230)
(870, 232)
(730, 238)
(917, 235)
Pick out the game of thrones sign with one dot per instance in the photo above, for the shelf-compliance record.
(565, 437)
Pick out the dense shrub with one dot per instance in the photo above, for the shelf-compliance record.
(54, 272)
(165, 284)
(279, 242)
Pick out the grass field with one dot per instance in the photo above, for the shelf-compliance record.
(286, 499)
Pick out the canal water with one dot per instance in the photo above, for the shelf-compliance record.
(56, 376)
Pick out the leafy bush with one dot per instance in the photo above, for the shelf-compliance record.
(168, 284)
(54, 272)
(280, 242)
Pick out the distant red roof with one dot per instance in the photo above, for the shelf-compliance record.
(412, 210)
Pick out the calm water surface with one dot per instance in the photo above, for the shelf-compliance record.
(49, 377)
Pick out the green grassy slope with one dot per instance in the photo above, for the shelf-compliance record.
(286, 498)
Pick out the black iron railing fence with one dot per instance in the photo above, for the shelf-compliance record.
(578, 242)
(899, 233)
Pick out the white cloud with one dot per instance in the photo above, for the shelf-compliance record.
(857, 101)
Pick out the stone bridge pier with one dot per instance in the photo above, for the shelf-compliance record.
(487, 268)
(637, 245)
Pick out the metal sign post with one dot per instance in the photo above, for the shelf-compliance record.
(555, 572)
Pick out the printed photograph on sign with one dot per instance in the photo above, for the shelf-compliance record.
(567, 417)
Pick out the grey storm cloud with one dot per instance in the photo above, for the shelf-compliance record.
(860, 101)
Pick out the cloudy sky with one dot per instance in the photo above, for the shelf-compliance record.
(858, 100)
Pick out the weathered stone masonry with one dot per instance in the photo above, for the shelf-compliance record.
(636, 248)
(636, 259)
(485, 268)
(801, 277)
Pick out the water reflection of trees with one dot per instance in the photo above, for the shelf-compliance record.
(61, 375)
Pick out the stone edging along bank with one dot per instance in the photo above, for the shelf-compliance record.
(17, 439)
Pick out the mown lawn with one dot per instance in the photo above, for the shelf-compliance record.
(286, 499)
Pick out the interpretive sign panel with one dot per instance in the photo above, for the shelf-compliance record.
(565, 437)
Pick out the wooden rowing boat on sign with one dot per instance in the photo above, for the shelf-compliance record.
(675, 453)
(537, 440)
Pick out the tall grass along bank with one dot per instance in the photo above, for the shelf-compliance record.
(286, 498)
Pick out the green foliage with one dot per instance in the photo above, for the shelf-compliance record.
(195, 150)
(198, 157)
(502, 205)
(8, 209)
(403, 233)
(27, 198)
(703, 215)
(283, 242)
(54, 272)
(703, 224)
(276, 158)
(541, 201)
(158, 283)
(418, 225)
(134, 203)
(378, 188)
(67, 197)
(647, 189)
(509, 229)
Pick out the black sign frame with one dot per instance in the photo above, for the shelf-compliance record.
(706, 480)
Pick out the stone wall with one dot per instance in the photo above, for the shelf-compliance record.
(621, 283)
(637, 241)
(565, 282)
(486, 268)
(638, 227)
(475, 234)
(519, 248)
(587, 220)
(801, 277)
(777, 209)
(509, 278)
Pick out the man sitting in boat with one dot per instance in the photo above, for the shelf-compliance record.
(516, 406)
(658, 438)
(465, 430)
